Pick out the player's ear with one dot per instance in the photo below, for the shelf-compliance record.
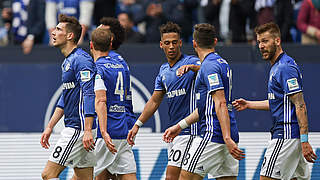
(278, 41)
(91, 45)
(70, 36)
(161, 44)
(194, 44)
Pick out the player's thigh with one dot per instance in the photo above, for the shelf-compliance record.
(52, 170)
(172, 173)
(266, 178)
(105, 174)
(178, 149)
(227, 178)
(130, 176)
(84, 173)
(185, 175)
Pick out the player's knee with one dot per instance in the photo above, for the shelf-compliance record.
(172, 177)
(46, 176)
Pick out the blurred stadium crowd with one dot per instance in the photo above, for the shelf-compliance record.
(29, 22)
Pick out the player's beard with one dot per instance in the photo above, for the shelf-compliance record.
(270, 53)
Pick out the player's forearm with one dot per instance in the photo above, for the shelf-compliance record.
(258, 105)
(149, 109)
(224, 120)
(57, 115)
(88, 123)
(101, 110)
(193, 117)
(194, 68)
(301, 112)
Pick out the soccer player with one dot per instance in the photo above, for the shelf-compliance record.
(180, 93)
(75, 147)
(115, 155)
(118, 32)
(215, 151)
(289, 134)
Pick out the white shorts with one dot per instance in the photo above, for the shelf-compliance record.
(122, 162)
(178, 148)
(69, 150)
(206, 157)
(284, 160)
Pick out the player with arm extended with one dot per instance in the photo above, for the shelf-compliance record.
(115, 155)
(215, 151)
(76, 145)
(180, 95)
(289, 134)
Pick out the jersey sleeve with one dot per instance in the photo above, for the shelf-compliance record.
(158, 85)
(99, 82)
(290, 79)
(194, 60)
(85, 73)
(211, 75)
(60, 103)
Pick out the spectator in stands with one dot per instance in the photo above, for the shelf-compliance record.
(35, 25)
(283, 13)
(103, 8)
(133, 7)
(158, 12)
(309, 21)
(264, 9)
(240, 12)
(211, 12)
(5, 21)
(132, 34)
(81, 9)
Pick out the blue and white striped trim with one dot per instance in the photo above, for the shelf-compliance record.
(287, 117)
(198, 152)
(69, 147)
(187, 148)
(274, 157)
(209, 113)
(81, 110)
(194, 126)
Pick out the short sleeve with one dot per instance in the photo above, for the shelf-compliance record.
(99, 83)
(212, 76)
(60, 103)
(158, 85)
(290, 79)
(194, 60)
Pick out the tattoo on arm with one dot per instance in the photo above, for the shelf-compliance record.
(301, 111)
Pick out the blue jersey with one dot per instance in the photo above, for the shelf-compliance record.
(214, 74)
(285, 79)
(113, 74)
(68, 7)
(179, 90)
(77, 99)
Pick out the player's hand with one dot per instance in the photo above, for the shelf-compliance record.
(87, 141)
(27, 45)
(107, 139)
(171, 133)
(183, 70)
(240, 104)
(44, 141)
(307, 152)
(132, 134)
(234, 150)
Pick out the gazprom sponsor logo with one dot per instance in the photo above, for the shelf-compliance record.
(177, 92)
(271, 96)
(116, 108)
(69, 85)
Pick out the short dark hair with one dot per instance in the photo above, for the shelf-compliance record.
(72, 25)
(270, 27)
(205, 34)
(116, 28)
(101, 39)
(170, 27)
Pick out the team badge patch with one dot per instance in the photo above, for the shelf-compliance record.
(213, 79)
(85, 76)
(292, 84)
(67, 67)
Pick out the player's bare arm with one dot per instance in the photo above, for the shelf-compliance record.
(175, 130)
(88, 142)
(301, 112)
(224, 119)
(101, 109)
(186, 68)
(149, 109)
(57, 115)
(242, 104)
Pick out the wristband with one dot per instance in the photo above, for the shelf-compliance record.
(183, 124)
(139, 123)
(304, 138)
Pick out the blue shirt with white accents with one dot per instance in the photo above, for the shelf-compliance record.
(179, 90)
(285, 79)
(77, 99)
(114, 82)
(130, 116)
(214, 74)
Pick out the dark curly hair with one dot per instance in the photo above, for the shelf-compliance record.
(116, 28)
(72, 25)
(170, 27)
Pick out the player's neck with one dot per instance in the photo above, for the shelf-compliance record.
(275, 57)
(66, 50)
(202, 53)
(172, 62)
(98, 54)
